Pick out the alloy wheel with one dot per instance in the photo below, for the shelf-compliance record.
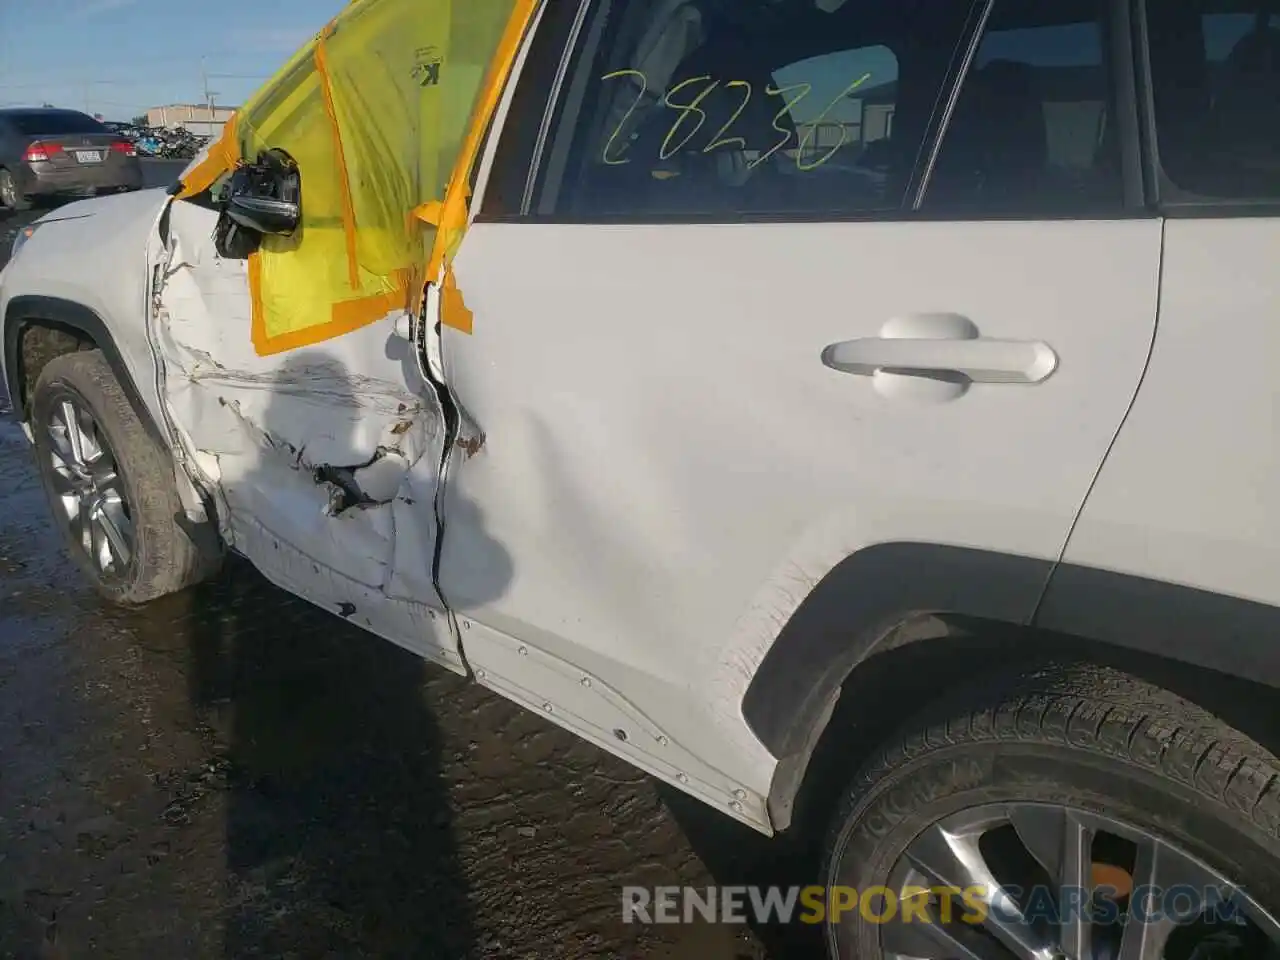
(88, 488)
(8, 190)
(1040, 881)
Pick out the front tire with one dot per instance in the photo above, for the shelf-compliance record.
(1046, 790)
(111, 486)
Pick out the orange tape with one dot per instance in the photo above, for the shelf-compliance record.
(454, 311)
(429, 212)
(257, 313)
(345, 316)
(450, 217)
(349, 315)
(344, 180)
(222, 157)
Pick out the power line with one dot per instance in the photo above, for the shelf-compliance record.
(4, 85)
(73, 83)
(122, 81)
(83, 91)
(118, 103)
(216, 55)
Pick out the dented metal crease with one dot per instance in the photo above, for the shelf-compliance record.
(322, 445)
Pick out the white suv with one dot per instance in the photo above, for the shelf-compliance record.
(877, 394)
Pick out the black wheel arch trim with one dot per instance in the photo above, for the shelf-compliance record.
(855, 611)
(23, 311)
(874, 601)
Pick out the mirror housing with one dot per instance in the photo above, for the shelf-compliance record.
(265, 197)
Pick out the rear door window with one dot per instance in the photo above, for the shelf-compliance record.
(1033, 130)
(1215, 69)
(719, 108)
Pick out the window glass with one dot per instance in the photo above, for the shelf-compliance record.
(1032, 130)
(1215, 69)
(46, 123)
(719, 107)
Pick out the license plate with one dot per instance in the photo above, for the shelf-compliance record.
(89, 156)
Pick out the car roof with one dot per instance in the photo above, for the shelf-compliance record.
(40, 112)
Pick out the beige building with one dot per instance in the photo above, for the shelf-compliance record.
(195, 117)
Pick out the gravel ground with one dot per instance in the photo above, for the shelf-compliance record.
(233, 773)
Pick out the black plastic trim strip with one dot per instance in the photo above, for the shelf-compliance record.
(1124, 60)
(529, 111)
(1197, 627)
(856, 607)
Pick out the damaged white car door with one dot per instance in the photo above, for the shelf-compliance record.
(325, 461)
(719, 349)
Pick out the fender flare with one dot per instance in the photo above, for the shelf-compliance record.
(855, 611)
(891, 595)
(23, 311)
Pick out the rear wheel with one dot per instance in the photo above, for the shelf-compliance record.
(111, 486)
(10, 197)
(1070, 813)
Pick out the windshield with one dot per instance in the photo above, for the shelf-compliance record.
(38, 123)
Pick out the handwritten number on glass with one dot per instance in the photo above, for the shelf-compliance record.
(817, 123)
(791, 94)
(787, 104)
(667, 150)
(616, 160)
(720, 140)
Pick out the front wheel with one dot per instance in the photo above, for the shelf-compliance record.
(1064, 813)
(111, 485)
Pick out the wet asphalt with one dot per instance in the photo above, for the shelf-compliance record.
(234, 773)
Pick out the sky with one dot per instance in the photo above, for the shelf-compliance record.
(119, 57)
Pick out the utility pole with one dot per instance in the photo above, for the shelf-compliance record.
(208, 94)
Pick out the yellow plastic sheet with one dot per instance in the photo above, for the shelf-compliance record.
(450, 216)
(384, 111)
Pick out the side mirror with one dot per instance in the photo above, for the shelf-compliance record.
(265, 196)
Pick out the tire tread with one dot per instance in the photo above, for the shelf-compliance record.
(1098, 709)
(169, 559)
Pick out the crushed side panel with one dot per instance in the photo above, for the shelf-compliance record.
(317, 444)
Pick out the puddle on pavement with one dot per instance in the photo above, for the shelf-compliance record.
(232, 772)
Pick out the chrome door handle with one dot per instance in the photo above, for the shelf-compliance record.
(981, 360)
